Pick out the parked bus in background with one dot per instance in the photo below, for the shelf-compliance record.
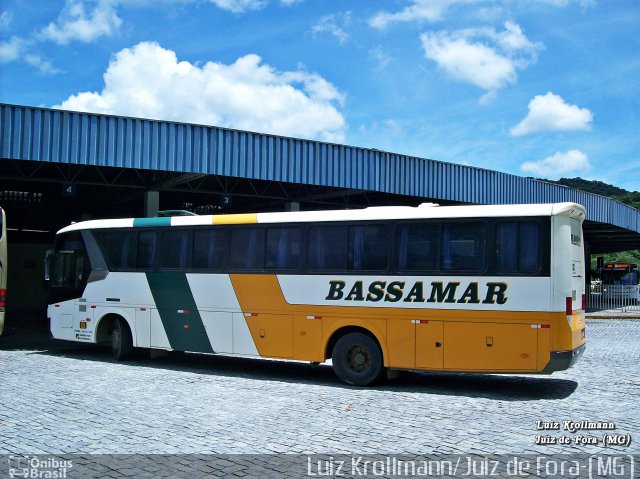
(620, 282)
(3, 267)
(496, 289)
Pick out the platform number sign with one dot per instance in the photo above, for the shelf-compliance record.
(225, 201)
(69, 190)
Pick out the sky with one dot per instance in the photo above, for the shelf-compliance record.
(541, 88)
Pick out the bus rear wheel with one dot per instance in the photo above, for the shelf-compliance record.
(121, 340)
(357, 359)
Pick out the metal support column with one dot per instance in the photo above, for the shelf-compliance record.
(151, 203)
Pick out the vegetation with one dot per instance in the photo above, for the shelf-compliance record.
(632, 256)
(631, 199)
(597, 187)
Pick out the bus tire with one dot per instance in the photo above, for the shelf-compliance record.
(357, 359)
(121, 340)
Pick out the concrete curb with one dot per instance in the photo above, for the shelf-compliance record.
(613, 315)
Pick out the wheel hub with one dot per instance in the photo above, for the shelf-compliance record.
(359, 359)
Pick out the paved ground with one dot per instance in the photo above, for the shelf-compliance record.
(63, 398)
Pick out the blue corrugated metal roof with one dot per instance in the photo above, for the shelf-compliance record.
(41, 134)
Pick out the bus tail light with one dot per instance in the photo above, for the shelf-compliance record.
(584, 301)
(3, 299)
(569, 305)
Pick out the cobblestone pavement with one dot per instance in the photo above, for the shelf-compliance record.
(66, 398)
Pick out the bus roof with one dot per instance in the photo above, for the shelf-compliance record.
(423, 211)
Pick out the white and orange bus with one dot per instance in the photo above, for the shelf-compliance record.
(3, 267)
(497, 289)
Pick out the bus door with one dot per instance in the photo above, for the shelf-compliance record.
(68, 269)
(429, 343)
(64, 270)
(415, 343)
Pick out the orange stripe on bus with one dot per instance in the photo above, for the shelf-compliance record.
(245, 218)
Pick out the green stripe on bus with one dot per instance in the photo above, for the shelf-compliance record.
(178, 312)
(151, 222)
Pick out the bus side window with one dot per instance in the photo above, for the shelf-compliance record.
(368, 247)
(146, 249)
(283, 248)
(208, 249)
(507, 247)
(327, 249)
(529, 247)
(518, 247)
(463, 246)
(175, 249)
(246, 249)
(119, 248)
(418, 247)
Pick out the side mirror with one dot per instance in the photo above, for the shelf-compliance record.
(79, 261)
(48, 256)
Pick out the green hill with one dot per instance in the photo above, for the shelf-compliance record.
(597, 187)
(631, 198)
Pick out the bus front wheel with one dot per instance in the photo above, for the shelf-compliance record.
(121, 340)
(357, 359)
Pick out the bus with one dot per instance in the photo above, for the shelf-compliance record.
(620, 282)
(3, 267)
(495, 289)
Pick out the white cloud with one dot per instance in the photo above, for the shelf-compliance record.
(149, 81)
(381, 58)
(329, 24)
(74, 23)
(418, 10)
(394, 128)
(5, 19)
(470, 62)
(564, 3)
(555, 3)
(481, 56)
(513, 40)
(551, 113)
(17, 49)
(559, 164)
(42, 64)
(239, 6)
(12, 50)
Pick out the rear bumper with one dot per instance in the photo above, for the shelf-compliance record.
(562, 360)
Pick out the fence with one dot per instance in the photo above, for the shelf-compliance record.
(607, 296)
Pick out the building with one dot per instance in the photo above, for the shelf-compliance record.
(61, 166)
